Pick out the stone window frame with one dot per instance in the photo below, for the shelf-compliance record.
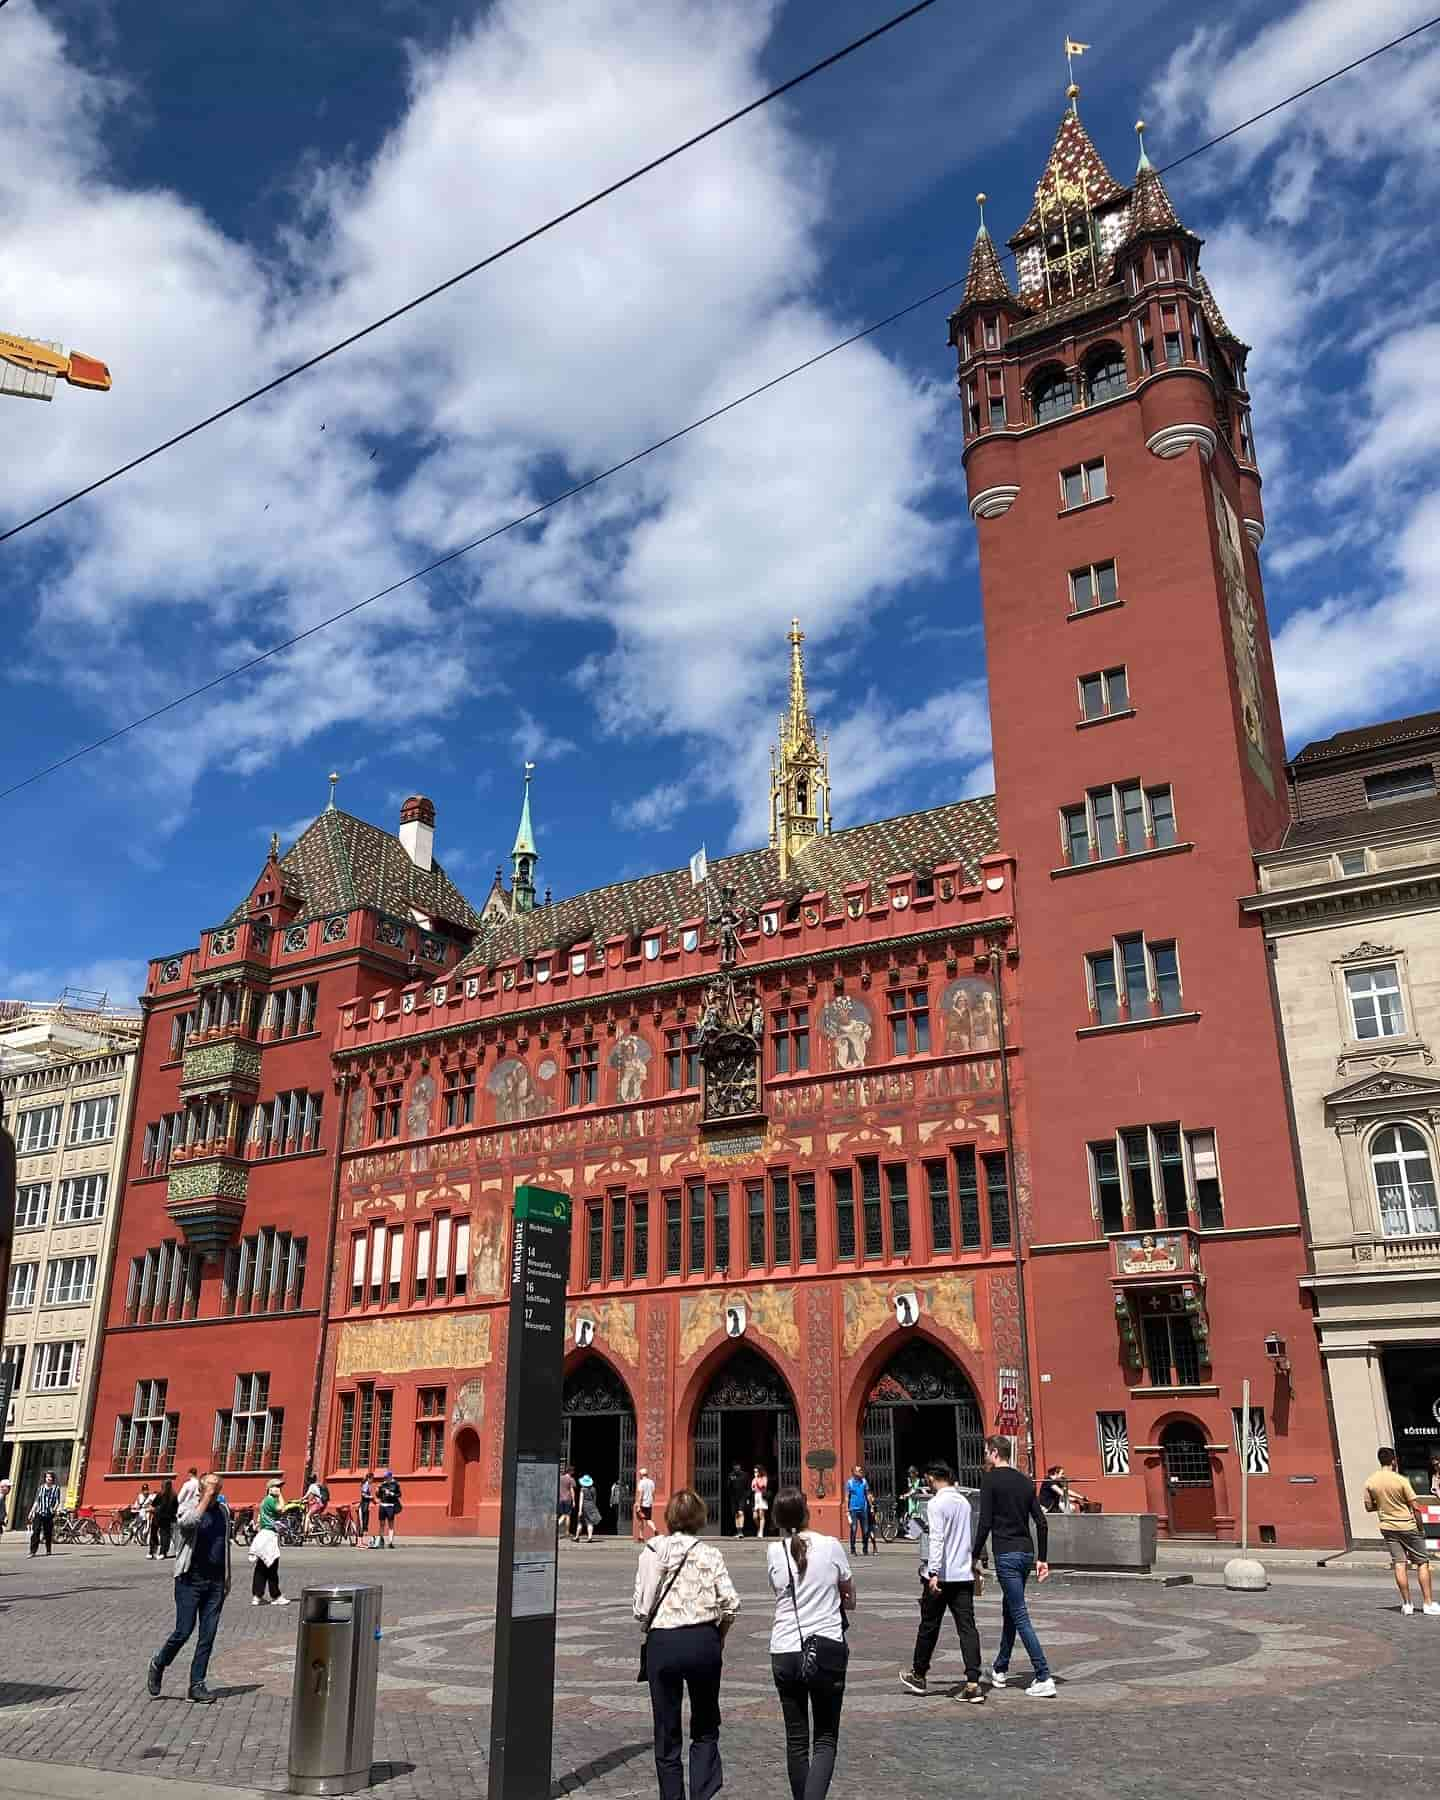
(1427, 1127)
(1357, 1052)
(1401, 1098)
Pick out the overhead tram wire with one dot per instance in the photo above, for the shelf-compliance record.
(529, 237)
(628, 462)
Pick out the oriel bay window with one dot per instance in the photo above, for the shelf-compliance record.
(1172, 1353)
(1154, 1177)
(1134, 979)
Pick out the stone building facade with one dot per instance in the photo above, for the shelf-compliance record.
(66, 1091)
(1351, 908)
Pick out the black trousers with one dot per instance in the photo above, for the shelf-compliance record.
(686, 1656)
(958, 1599)
(810, 1767)
(265, 1576)
(159, 1536)
(44, 1526)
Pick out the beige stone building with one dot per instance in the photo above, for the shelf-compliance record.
(67, 1076)
(1351, 906)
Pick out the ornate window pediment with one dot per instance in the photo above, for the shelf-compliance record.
(1381, 1094)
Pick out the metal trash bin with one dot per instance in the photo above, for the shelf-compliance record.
(332, 1711)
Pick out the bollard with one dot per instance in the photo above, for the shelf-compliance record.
(332, 1712)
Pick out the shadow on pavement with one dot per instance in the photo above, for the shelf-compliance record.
(602, 1765)
(387, 1771)
(26, 1693)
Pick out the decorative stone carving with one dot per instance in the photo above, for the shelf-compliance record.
(334, 929)
(221, 1064)
(1366, 952)
(203, 1180)
(296, 938)
(1255, 531)
(170, 971)
(1174, 440)
(994, 502)
(222, 942)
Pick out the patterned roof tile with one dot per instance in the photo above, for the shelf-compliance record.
(1077, 165)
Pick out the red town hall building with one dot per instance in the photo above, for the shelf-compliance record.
(885, 1136)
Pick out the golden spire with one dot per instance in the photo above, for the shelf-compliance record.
(799, 769)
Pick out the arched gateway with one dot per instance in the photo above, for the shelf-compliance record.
(921, 1406)
(747, 1417)
(597, 1435)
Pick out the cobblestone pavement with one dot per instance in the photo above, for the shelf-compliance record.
(1299, 1691)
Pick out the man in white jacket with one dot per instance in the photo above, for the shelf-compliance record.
(947, 1584)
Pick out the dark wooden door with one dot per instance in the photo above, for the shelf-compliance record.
(1189, 1480)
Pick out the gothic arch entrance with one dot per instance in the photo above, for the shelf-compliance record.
(747, 1417)
(920, 1407)
(597, 1436)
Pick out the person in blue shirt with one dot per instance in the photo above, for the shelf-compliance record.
(861, 1510)
(202, 1581)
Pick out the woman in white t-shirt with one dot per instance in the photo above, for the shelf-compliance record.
(813, 1586)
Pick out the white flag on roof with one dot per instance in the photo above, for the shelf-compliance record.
(698, 868)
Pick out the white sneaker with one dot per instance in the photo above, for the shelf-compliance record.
(255, 1600)
(1433, 1608)
(1407, 1608)
(1042, 1690)
(281, 1600)
(998, 1678)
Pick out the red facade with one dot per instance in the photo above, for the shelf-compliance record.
(1018, 1154)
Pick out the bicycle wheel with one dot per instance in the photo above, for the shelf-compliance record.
(889, 1528)
(90, 1532)
(118, 1532)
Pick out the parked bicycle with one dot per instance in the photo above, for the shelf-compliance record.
(243, 1526)
(78, 1527)
(887, 1524)
(127, 1527)
(339, 1526)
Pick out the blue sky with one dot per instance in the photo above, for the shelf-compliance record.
(202, 206)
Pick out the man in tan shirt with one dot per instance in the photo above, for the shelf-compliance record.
(1389, 1495)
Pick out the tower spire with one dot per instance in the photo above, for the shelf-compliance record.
(799, 769)
(986, 280)
(524, 855)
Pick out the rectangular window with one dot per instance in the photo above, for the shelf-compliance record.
(755, 1223)
(942, 1230)
(720, 1199)
(1075, 834)
(1162, 266)
(1205, 1171)
(93, 1120)
(82, 1199)
(1165, 965)
(582, 1074)
(898, 1187)
(997, 398)
(291, 1011)
(1134, 975)
(422, 1263)
(1104, 995)
(70, 1281)
(1161, 808)
(32, 1205)
(997, 1200)
(1106, 691)
(594, 1241)
(1173, 1189)
(1107, 830)
(1174, 350)
(459, 1097)
(38, 1129)
(674, 1243)
(1123, 979)
(871, 1207)
(460, 1280)
(967, 1188)
(145, 1438)
(1105, 1179)
(618, 1222)
(384, 1114)
(1085, 482)
(1140, 1176)
(790, 1035)
(780, 1219)
(161, 1140)
(23, 1279)
(992, 334)
(430, 1428)
(695, 1208)
(1376, 1008)
(56, 1365)
(909, 1021)
(640, 1225)
(1172, 1356)
(1416, 782)
(1092, 586)
(844, 1186)
(805, 1214)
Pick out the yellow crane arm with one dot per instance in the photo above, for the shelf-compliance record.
(76, 368)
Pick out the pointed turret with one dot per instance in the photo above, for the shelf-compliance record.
(1074, 169)
(799, 769)
(1066, 246)
(524, 855)
(1151, 209)
(986, 280)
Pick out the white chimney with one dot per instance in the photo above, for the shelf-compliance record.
(417, 830)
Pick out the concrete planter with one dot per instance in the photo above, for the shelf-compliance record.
(1103, 1541)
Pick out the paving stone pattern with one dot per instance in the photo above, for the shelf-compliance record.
(1300, 1691)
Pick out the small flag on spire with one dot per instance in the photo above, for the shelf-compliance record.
(698, 868)
(1074, 49)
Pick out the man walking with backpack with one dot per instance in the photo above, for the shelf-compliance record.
(948, 1584)
(1008, 1508)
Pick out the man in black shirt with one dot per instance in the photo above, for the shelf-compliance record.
(1008, 1509)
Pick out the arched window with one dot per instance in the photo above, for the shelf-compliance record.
(1404, 1182)
(1105, 374)
(1052, 394)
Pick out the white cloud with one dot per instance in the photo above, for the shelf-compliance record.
(535, 742)
(655, 810)
(666, 300)
(122, 979)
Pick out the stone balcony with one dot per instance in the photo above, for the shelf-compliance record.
(206, 1200)
(1379, 1255)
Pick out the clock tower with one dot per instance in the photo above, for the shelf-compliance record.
(1139, 763)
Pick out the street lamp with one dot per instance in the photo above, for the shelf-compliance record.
(30, 368)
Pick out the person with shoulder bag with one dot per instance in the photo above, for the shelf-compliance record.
(810, 1575)
(686, 1603)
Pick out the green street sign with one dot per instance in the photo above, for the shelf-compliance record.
(542, 1203)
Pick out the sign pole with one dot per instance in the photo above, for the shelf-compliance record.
(522, 1703)
(1244, 1466)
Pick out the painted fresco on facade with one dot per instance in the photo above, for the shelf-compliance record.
(397, 1346)
(420, 1107)
(874, 1305)
(967, 1009)
(518, 1096)
(630, 1058)
(614, 1327)
(767, 1310)
(846, 1022)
